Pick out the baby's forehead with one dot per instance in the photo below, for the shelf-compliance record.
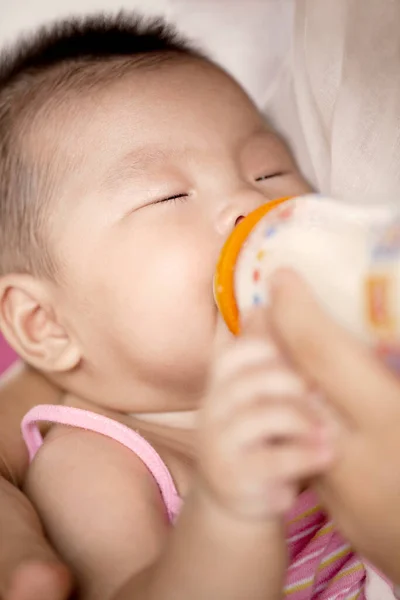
(170, 102)
(148, 122)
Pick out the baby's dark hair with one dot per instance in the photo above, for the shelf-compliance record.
(35, 75)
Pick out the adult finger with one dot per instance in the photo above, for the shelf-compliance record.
(35, 580)
(28, 565)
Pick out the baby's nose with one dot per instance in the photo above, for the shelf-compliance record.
(230, 215)
(239, 219)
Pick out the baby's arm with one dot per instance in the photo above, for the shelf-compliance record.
(104, 513)
(258, 437)
(100, 506)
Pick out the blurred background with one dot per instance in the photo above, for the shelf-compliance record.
(7, 357)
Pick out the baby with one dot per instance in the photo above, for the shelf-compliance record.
(126, 159)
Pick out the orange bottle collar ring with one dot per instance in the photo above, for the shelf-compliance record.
(224, 292)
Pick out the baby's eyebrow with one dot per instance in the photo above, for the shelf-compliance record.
(133, 164)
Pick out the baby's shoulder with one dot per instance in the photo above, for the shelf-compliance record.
(77, 464)
(97, 500)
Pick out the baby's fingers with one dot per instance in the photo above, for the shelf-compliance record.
(278, 385)
(271, 424)
(285, 464)
(255, 324)
(297, 461)
(241, 356)
(271, 478)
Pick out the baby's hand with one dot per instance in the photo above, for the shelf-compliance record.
(261, 434)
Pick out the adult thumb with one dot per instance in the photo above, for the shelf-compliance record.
(345, 369)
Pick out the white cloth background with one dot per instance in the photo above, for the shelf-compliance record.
(326, 72)
(346, 77)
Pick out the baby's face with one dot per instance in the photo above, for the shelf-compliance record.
(163, 164)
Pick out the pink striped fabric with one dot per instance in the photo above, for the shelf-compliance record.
(322, 564)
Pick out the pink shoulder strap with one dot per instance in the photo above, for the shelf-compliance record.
(84, 419)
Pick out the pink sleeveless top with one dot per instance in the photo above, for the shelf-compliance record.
(322, 564)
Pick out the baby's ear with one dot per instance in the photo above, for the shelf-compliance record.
(29, 323)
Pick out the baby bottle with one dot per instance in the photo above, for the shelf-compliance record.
(349, 254)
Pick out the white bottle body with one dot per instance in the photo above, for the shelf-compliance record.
(349, 255)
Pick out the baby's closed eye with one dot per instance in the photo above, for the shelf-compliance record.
(270, 176)
(182, 197)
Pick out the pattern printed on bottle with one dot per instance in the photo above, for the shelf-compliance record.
(386, 245)
(379, 308)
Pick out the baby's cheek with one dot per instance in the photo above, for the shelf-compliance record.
(168, 274)
(183, 279)
(183, 266)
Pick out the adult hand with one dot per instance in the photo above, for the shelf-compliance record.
(362, 490)
(29, 568)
